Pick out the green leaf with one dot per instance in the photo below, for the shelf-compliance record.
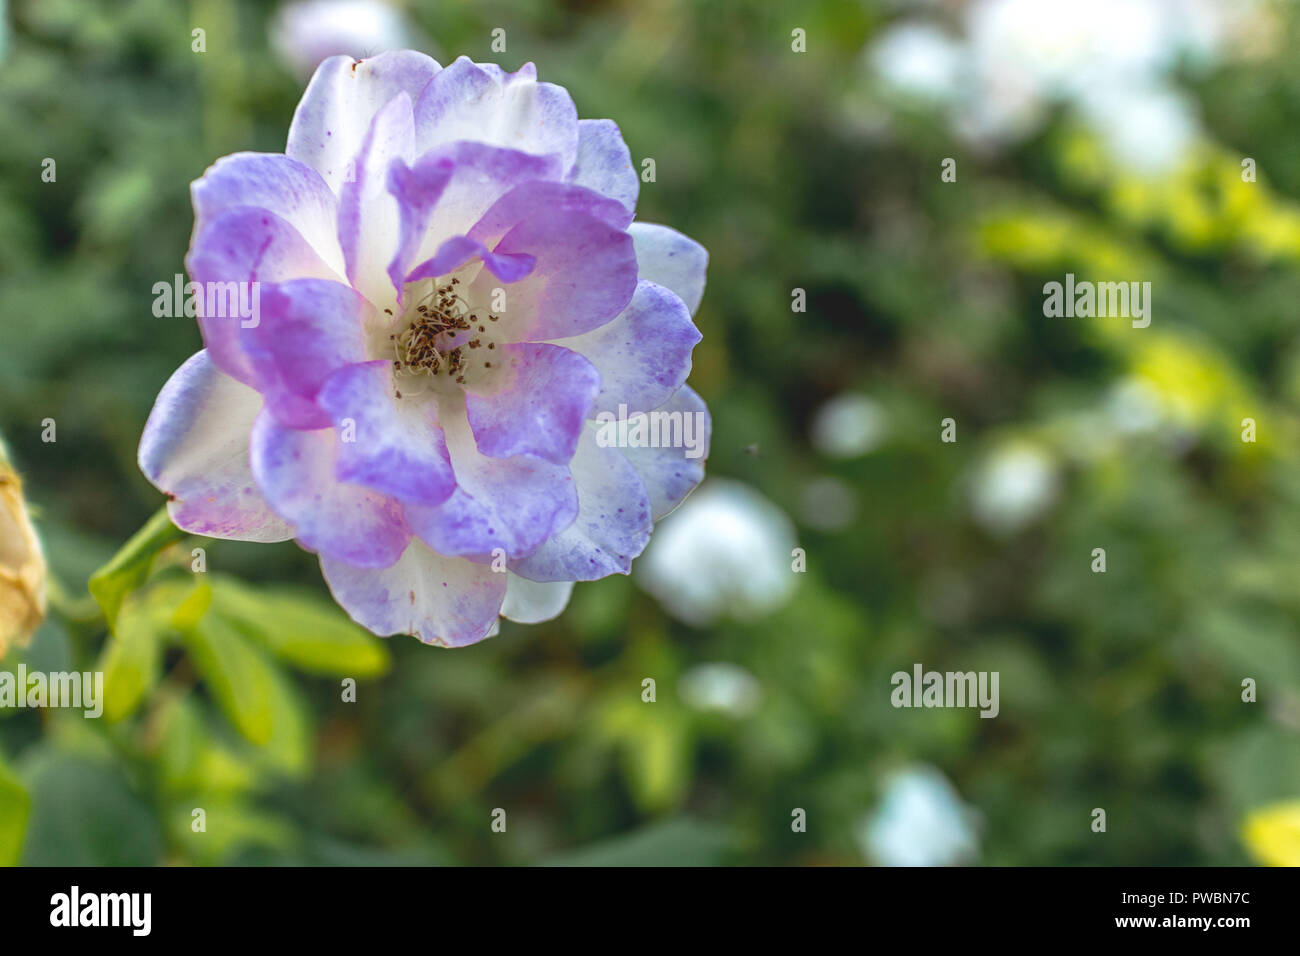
(240, 676)
(228, 825)
(288, 751)
(188, 604)
(128, 569)
(193, 759)
(14, 808)
(252, 691)
(182, 741)
(655, 747)
(302, 630)
(84, 813)
(131, 656)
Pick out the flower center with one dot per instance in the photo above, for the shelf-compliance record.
(445, 340)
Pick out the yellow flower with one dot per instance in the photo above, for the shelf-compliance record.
(1272, 834)
(22, 565)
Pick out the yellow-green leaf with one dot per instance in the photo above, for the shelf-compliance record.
(288, 751)
(128, 569)
(228, 824)
(240, 676)
(131, 656)
(301, 629)
(1272, 834)
(14, 807)
(182, 740)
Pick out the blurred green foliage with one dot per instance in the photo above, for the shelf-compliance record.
(1120, 690)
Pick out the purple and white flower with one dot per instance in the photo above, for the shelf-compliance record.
(452, 287)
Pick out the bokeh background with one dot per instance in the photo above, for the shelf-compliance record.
(1098, 137)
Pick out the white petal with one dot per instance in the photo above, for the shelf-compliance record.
(292, 190)
(531, 602)
(440, 600)
(195, 449)
(482, 103)
(671, 259)
(343, 97)
(613, 523)
(369, 215)
(605, 163)
(671, 473)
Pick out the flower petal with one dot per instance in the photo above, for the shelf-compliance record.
(447, 191)
(534, 403)
(292, 190)
(586, 268)
(604, 162)
(671, 473)
(511, 504)
(644, 355)
(395, 446)
(440, 600)
(531, 602)
(195, 449)
(244, 244)
(537, 199)
(613, 523)
(469, 101)
(341, 101)
(369, 215)
(458, 250)
(295, 470)
(308, 328)
(671, 259)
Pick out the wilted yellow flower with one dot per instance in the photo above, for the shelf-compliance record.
(22, 565)
(1272, 834)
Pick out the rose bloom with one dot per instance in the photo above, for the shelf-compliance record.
(450, 288)
(22, 563)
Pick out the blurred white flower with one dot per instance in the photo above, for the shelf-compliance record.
(726, 550)
(1148, 128)
(921, 821)
(1133, 406)
(848, 425)
(1013, 486)
(721, 687)
(306, 32)
(827, 504)
(919, 59)
(1110, 60)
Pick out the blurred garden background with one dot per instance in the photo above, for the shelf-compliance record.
(1097, 137)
